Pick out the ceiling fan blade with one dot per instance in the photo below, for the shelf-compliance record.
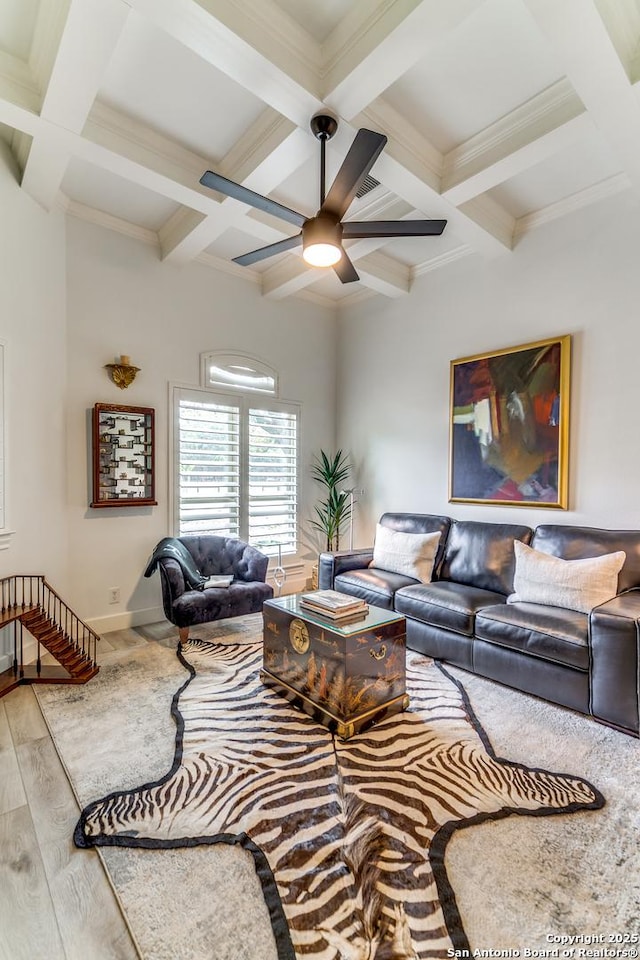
(353, 229)
(235, 190)
(345, 269)
(362, 155)
(269, 251)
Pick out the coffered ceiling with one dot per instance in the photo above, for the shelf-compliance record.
(500, 115)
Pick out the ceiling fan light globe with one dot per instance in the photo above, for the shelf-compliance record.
(322, 254)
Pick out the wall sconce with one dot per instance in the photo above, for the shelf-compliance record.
(122, 373)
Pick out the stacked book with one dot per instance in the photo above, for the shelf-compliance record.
(334, 605)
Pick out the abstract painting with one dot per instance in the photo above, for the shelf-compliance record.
(509, 426)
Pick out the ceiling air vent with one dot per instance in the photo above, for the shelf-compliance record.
(368, 184)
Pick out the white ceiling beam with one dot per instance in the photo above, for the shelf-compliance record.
(593, 66)
(403, 174)
(280, 39)
(17, 116)
(384, 275)
(412, 169)
(622, 20)
(92, 31)
(534, 131)
(124, 146)
(201, 28)
(50, 23)
(373, 46)
(127, 148)
(271, 150)
(17, 84)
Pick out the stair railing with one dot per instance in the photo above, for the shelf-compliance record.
(22, 592)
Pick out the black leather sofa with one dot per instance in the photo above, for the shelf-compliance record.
(588, 662)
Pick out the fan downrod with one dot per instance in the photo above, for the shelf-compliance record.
(323, 126)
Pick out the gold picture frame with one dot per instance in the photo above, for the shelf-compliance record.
(509, 426)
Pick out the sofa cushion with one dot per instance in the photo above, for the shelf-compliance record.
(377, 587)
(550, 633)
(410, 554)
(481, 554)
(451, 606)
(573, 584)
(420, 523)
(576, 543)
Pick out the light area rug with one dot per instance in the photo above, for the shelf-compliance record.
(518, 881)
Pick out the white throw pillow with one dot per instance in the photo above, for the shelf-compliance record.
(411, 554)
(574, 584)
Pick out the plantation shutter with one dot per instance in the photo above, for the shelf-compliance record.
(273, 479)
(209, 468)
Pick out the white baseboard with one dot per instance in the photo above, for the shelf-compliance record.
(128, 618)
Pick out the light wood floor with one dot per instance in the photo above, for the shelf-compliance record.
(56, 902)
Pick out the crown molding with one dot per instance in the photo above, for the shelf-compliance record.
(252, 276)
(385, 275)
(491, 216)
(554, 107)
(49, 27)
(577, 201)
(267, 27)
(104, 119)
(267, 132)
(101, 219)
(354, 28)
(17, 84)
(384, 206)
(21, 144)
(622, 21)
(389, 277)
(442, 260)
(405, 142)
(352, 299)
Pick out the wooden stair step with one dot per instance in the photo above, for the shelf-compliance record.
(72, 664)
(48, 620)
(56, 641)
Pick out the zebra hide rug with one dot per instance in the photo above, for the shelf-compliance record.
(348, 838)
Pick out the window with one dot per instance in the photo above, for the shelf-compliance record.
(221, 370)
(236, 470)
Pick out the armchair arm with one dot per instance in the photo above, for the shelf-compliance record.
(252, 565)
(173, 584)
(614, 631)
(331, 564)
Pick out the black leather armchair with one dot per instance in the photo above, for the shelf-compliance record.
(186, 606)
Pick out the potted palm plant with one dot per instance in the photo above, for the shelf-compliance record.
(334, 510)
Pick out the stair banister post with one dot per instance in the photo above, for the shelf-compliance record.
(15, 647)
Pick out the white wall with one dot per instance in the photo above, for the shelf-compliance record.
(32, 322)
(123, 299)
(579, 276)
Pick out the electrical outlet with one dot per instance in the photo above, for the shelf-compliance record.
(114, 594)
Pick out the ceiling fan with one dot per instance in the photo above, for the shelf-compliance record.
(321, 236)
